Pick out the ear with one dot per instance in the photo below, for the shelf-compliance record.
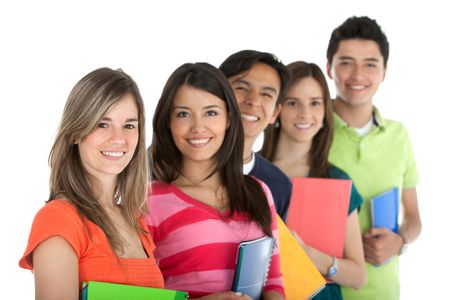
(276, 112)
(329, 71)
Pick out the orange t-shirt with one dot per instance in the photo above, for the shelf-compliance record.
(96, 259)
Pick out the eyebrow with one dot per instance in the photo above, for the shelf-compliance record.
(373, 59)
(206, 107)
(298, 99)
(264, 88)
(126, 121)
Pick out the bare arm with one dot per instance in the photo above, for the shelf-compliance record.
(381, 244)
(411, 225)
(352, 270)
(272, 295)
(55, 267)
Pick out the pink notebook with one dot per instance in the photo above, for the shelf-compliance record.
(318, 212)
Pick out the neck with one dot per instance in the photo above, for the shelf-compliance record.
(248, 149)
(292, 157)
(354, 116)
(196, 173)
(104, 190)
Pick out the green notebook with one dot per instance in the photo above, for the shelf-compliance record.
(94, 290)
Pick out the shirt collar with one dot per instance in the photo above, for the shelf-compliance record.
(377, 119)
(247, 168)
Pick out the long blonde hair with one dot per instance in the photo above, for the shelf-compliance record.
(87, 103)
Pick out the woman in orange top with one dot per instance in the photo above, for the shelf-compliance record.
(91, 228)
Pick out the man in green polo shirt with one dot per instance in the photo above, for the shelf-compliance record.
(375, 152)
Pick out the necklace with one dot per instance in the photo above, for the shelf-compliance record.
(192, 181)
(248, 158)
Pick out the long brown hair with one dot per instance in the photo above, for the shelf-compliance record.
(244, 193)
(320, 148)
(87, 103)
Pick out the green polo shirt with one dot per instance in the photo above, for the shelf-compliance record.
(382, 159)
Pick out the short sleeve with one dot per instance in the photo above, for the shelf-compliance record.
(56, 218)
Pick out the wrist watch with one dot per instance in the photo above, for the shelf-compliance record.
(404, 246)
(333, 269)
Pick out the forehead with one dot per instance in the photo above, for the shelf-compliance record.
(358, 49)
(125, 106)
(261, 75)
(194, 97)
(307, 85)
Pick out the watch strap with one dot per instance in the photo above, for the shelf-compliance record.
(333, 269)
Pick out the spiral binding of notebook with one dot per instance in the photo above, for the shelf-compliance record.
(252, 266)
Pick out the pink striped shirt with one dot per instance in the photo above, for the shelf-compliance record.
(196, 245)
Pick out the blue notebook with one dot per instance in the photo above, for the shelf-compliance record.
(252, 266)
(385, 209)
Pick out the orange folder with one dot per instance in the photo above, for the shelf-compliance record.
(318, 212)
(301, 279)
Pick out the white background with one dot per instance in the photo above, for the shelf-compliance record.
(47, 46)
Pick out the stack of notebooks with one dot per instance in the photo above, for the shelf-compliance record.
(301, 279)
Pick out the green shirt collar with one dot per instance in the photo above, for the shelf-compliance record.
(377, 118)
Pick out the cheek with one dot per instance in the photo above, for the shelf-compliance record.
(240, 97)
(176, 130)
(287, 115)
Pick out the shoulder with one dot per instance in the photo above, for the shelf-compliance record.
(338, 173)
(159, 188)
(59, 211)
(393, 125)
(56, 218)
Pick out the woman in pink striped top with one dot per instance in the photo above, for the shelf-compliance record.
(202, 206)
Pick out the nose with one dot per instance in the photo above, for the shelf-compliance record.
(357, 72)
(197, 124)
(117, 136)
(303, 111)
(252, 98)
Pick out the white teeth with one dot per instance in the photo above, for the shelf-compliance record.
(198, 141)
(249, 117)
(114, 154)
(357, 87)
(303, 126)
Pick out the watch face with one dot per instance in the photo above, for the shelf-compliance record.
(332, 271)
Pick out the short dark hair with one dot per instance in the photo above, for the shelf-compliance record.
(244, 60)
(363, 28)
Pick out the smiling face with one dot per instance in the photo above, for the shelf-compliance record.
(256, 92)
(357, 70)
(303, 111)
(198, 123)
(108, 149)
